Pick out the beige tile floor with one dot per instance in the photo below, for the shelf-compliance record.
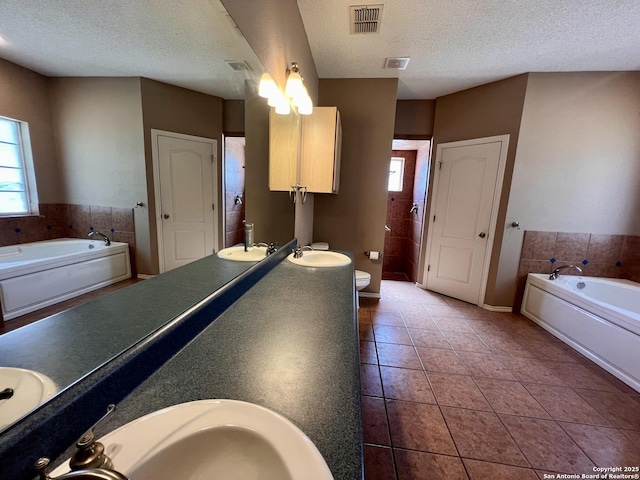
(452, 391)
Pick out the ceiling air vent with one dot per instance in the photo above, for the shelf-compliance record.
(365, 18)
(238, 65)
(396, 63)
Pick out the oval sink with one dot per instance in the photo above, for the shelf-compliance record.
(213, 439)
(320, 258)
(237, 254)
(30, 389)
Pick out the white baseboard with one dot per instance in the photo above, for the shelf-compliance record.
(492, 308)
(144, 276)
(368, 295)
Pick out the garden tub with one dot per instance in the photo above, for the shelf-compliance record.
(599, 317)
(39, 274)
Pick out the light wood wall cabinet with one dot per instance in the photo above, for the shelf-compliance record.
(284, 155)
(314, 162)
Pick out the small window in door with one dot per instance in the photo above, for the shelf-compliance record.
(396, 174)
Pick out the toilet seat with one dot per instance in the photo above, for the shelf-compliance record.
(360, 275)
(362, 279)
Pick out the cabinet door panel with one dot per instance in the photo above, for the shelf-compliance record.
(284, 142)
(318, 150)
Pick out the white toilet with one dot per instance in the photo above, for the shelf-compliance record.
(363, 279)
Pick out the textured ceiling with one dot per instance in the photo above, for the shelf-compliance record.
(453, 44)
(182, 42)
(458, 44)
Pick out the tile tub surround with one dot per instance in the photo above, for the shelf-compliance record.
(61, 220)
(161, 299)
(526, 405)
(599, 255)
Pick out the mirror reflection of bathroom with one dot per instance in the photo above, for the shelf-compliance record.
(408, 180)
(234, 181)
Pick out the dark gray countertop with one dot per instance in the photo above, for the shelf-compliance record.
(148, 323)
(70, 344)
(290, 343)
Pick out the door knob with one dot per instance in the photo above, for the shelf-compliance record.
(165, 215)
(482, 235)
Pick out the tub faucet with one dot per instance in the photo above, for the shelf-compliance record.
(556, 273)
(297, 253)
(95, 233)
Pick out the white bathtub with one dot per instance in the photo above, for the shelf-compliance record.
(599, 317)
(39, 274)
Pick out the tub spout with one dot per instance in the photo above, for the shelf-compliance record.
(556, 273)
(100, 235)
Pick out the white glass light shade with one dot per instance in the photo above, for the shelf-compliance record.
(300, 98)
(306, 106)
(274, 99)
(267, 86)
(280, 102)
(283, 108)
(294, 85)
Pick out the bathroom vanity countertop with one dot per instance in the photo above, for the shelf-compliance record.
(129, 335)
(104, 327)
(290, 343)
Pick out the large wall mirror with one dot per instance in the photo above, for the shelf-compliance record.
(139, 52)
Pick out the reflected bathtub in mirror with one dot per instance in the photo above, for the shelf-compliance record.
(36, 275)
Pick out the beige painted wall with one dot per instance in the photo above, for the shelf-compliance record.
(233, 118)
(24, 95)
(98, 129)
(484, 111)
(414, 119)
(174, 109)
(354, 219)
(272, 213)
(577, 163)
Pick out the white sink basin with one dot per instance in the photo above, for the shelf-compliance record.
(30, 389)
(213, 439)
(237, 254)
(320, 258)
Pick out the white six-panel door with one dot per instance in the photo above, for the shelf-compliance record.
(467, 184)
(185, 194)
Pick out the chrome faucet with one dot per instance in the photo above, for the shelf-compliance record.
(89, 462)
(96, 233)
(297, 252)
(556, 273)
(248, 235)
(271, 247)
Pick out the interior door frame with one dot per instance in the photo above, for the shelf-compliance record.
(156, 187)
(497, 194)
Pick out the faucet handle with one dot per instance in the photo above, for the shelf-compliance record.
(89, 453)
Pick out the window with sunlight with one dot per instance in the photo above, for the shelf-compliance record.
(396, 174)
(14, 192)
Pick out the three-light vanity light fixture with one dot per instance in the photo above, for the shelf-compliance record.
(294, 90)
